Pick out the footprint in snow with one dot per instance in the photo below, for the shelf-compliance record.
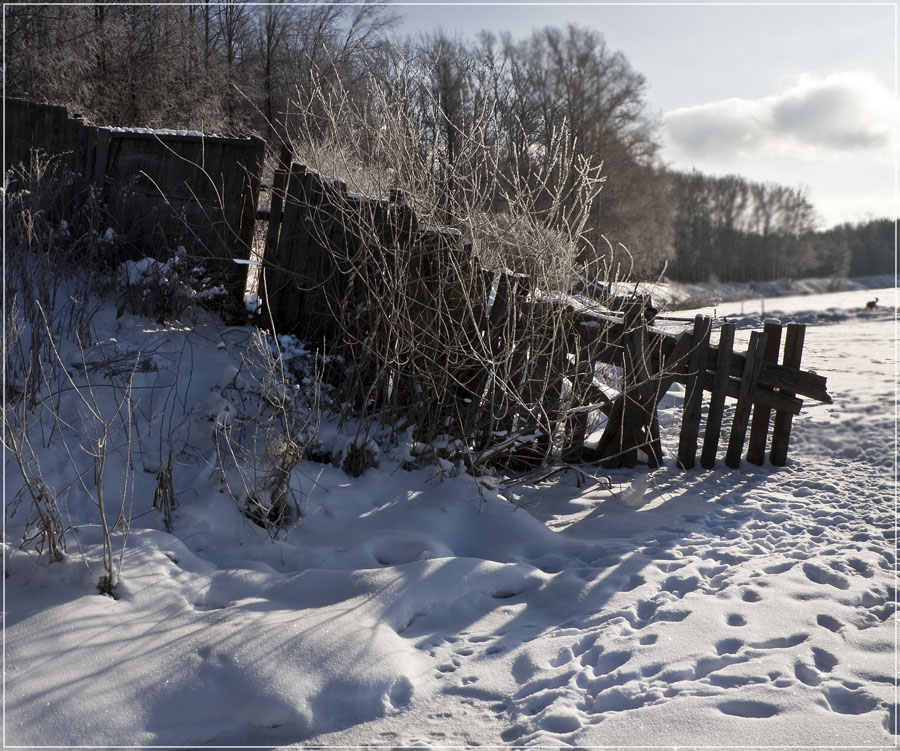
(781, 642)
(807, 674)
(849, 701)
(681, 586)
(824, 660)
(861, 567)
(561, 722)
(780, 568)
(728, 646)
(748, 708)
(751, 595)
(827, 621)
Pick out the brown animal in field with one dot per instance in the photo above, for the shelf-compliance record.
(872, 304)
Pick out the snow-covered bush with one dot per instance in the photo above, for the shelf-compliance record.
(164, 289)
(263, 424)
(409, 317)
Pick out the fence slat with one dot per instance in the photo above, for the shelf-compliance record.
(717, 397)
(759, 426)
(752, 363)
(693, 399)
(283, 296)
(276, 211)
(781, 432)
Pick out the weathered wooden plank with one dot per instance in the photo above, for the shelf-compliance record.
(279, 185)
(276, 214)
(630, 419)
(282, 284)
(674, 365)
(759, 426)
(693, 399)
(781, 432)
(752, 363)
(101, 155)
(718, 391)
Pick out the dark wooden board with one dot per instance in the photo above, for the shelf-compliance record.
(718, 392)
(752, 363)
(759, 426)
(781, 431)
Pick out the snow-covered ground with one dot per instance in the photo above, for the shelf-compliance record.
(409, 608)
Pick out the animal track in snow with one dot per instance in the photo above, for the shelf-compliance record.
(735, 619)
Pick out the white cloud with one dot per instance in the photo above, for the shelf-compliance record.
(817, 118)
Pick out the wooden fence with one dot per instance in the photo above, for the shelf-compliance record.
(160, 189)
(426, 335)
(437, 342)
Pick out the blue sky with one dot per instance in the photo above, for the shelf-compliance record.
(795, 94)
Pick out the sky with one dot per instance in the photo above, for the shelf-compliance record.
(799, 94)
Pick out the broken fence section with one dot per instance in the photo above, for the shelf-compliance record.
(490, 361)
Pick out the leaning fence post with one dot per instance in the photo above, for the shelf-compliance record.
(693, 398)
(717, 397)
(752, 364)
(781, 432)
(759, 428)
(636, 419)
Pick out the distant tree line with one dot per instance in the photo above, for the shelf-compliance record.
(303, 73)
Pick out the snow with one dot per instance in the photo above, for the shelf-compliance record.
(424, 608)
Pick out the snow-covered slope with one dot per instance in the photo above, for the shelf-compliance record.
(730, 608)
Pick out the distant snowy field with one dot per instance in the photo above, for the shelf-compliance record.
(742, 608)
